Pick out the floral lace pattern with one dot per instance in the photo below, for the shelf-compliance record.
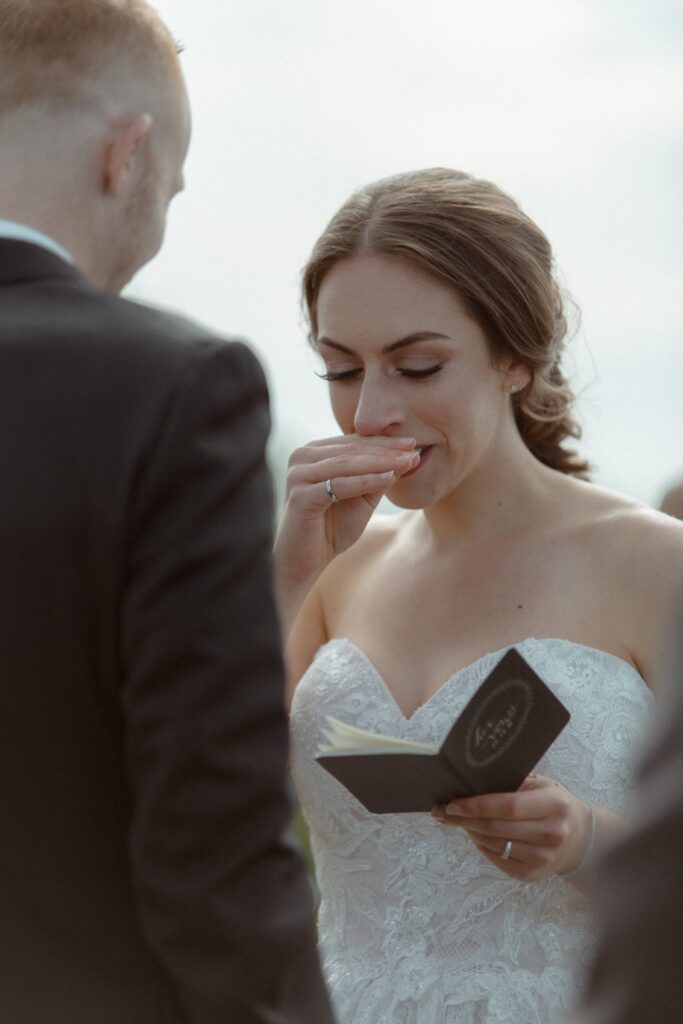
(416, 926)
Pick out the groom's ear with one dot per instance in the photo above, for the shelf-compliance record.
(122, 151)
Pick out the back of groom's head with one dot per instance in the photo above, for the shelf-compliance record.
(54, 52)
(93, 119)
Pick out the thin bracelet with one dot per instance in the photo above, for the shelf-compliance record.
(589, 848)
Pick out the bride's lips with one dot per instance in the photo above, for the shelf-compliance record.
(424, 455)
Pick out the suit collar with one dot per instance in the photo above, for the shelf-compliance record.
(25, 233)
(24, 261)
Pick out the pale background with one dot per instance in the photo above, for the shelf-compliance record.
(572, 106)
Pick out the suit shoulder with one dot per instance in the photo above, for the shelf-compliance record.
(138, 342)
(169, 334)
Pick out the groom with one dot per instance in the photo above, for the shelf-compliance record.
(143, 874)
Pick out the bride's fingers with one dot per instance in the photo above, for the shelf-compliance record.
(379, 440)
(517, 849)
(547, 831)
(350, 444)
(525, 861)
(346, 487)
(344, 462)
(350, 466)
(536, 799)
(535, 847)
(514, 867)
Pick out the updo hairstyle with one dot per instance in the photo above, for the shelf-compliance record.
(471, 235)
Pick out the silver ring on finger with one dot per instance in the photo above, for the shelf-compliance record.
(507, 850)
(330, 491)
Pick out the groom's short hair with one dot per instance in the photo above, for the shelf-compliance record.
(61, 53)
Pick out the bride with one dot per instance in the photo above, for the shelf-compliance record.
(440, 326)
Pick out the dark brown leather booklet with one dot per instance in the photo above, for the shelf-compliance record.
(494, 743)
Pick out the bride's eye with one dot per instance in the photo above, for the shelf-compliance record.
(332, 375)
(421, 374)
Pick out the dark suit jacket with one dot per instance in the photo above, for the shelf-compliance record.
(637, 975)
(143, 795)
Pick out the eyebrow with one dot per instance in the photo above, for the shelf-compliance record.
(410, 339)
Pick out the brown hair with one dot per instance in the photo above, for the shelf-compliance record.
(56, 51)
(474, 237)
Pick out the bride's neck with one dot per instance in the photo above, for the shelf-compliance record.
(505, 498)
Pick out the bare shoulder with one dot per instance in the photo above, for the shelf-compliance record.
(379, 539)
(630, 541)
(636, 555)
(672, 502)
(382, 531)
(622, 523)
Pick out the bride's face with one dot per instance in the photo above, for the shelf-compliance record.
(405, 359)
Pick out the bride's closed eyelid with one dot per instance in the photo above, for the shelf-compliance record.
(403, 371)
(415, 374)
(332, 375)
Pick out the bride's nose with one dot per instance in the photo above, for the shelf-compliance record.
(377, 408)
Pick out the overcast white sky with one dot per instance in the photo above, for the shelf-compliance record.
(573, 106)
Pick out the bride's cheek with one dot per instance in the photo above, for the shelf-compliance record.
(344, 412)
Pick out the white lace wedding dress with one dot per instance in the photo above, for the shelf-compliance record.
(416, 926)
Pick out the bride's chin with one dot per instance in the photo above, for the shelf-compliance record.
(406, 501)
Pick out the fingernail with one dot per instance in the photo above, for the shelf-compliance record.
(387, 476)
(455, 809)
(407, 456)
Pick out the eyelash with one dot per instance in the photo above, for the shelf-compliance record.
(346, 375)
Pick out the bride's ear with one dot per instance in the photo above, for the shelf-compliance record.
(515, 377)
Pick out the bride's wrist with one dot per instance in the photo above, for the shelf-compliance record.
(589, 846)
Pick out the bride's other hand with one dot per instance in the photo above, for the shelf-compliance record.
(549, 830)
(314, 528)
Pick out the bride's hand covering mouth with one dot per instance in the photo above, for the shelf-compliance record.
(333, 487)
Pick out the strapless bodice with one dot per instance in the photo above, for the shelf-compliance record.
(416, 926)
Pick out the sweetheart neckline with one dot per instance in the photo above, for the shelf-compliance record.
(489, 654)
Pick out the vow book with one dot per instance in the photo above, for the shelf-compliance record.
(495, 742)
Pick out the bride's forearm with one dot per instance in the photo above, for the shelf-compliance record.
(290, 594)
(297, 564)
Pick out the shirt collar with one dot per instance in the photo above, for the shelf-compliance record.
(23, 233)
